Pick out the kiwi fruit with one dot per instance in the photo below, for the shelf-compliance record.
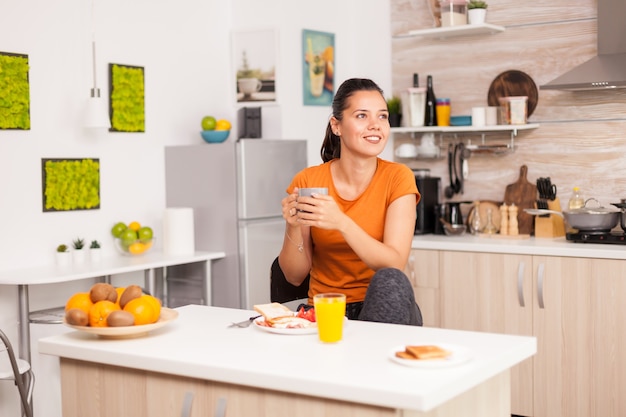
(76, 317)
(120, 318)
(102, 291)
(130, 293)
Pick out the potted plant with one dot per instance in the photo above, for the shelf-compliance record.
(78, 254)
(476, 11)
(394, 106)
(63, 255)
(95, 251)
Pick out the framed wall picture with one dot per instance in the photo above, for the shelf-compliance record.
(14, 91)
(254, 57)
(127, 98)
(318, 68)
(70, 184)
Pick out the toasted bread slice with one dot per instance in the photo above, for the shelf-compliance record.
(291, 322)
(424, 352)
(272, 311)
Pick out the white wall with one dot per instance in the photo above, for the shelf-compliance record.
(184, 46)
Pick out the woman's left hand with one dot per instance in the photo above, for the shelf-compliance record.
(320, 211)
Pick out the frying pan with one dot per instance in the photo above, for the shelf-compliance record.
(513, 83)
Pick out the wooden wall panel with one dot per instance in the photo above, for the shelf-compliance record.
(581, 140)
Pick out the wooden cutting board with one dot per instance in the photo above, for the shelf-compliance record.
(524, 195)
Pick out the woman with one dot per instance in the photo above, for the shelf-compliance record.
(357, 239)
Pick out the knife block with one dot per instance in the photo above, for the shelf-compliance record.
(552, 226)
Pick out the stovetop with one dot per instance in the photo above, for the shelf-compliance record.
(617, 238)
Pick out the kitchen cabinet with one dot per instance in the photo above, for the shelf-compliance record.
(143, 393)
(491, 293)
(423, 272)
(573, 305)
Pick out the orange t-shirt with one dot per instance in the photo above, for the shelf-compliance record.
(335, 267)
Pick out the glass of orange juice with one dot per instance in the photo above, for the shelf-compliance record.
(330, 309)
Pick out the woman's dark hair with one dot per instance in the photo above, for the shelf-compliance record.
(331, 147)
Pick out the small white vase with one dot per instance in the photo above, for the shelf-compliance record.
(63, 258)
(95, 255)
(476, 16)
(78, 256)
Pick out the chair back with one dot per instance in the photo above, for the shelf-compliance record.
(281, 290)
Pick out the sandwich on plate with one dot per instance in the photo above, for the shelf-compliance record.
(280, 317)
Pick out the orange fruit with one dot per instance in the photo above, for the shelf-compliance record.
(156, 303)
(99, 312)
(120, 291)
(137, 248)
(80, 300)
(142, 309)
(222, 124)
(134, 226)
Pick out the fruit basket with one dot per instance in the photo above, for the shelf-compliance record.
(132, 239)
(134, 247)
(214, 136)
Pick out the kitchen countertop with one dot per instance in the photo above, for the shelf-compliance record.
(519, 246)
(358, 369)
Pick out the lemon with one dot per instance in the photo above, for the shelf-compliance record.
(222, 124)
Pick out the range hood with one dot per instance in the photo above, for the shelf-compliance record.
(608, 69)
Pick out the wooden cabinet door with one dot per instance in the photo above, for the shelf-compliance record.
(580, 322)
(423, 272)
(491, 293)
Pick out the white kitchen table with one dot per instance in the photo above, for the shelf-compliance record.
(250, 371)
(149, 263)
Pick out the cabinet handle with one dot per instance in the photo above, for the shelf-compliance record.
(220, 410)
(186, 411)
(540, 285)
(520, 284)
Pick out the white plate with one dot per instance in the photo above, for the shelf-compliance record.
(167, 315)
(460, 355)
(305, 330)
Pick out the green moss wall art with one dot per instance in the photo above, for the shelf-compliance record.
(71, 184)
(14, 91)
(127, 105)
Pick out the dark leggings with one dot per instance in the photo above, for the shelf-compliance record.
(389, 299)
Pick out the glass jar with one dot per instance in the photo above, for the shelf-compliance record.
(453, 12)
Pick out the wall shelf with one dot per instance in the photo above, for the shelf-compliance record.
(454, 31)
(482, 147)
(513, 129)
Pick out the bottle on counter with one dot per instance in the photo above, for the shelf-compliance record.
(476, 223)
(416, 80)
(430, 116)
(490, 228)
(576, 200)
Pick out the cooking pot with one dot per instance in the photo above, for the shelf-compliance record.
(622, 207)
(588, 219)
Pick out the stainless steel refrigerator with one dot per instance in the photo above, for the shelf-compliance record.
(235, 189)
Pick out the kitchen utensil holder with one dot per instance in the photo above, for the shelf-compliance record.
(553, 225)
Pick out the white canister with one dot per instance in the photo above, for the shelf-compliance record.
(178, 231)
(491, 115)
(417, 105)
(478, 116)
